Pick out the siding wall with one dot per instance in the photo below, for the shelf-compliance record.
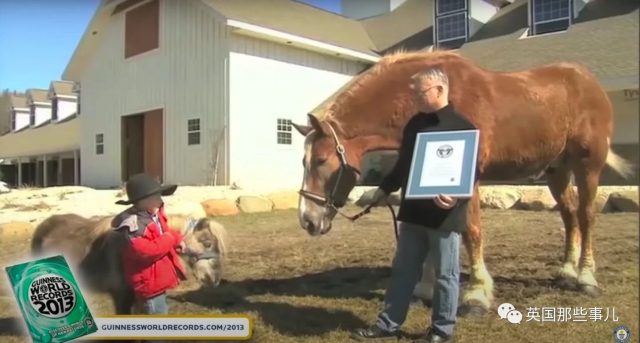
(185, 77)
(270, 81)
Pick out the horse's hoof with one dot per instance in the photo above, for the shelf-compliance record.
(590, 290)
(566, 283)
(469, 310)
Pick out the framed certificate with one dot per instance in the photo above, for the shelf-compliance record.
(443, 163)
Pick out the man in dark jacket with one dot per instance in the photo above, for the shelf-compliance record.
(426, 226)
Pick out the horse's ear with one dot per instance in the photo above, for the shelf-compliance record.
(315, 123)
(303, 129)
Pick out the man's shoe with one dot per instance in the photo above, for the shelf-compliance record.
(374, 333)
(433, 337)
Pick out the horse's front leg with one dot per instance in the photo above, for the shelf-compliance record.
(478, 293)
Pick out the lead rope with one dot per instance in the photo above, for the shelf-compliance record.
(340, 149)
(367, 210)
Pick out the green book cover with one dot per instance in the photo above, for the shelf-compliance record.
(50, 300)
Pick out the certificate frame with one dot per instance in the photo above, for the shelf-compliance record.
(464, 188)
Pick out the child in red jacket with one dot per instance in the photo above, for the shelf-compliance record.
(151, 263)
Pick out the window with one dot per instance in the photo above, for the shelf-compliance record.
(100, 144)
(54, 109)
(193, 131)
(450, 6)
(32, 115)
(142, 27)
(13, 121)
(284, 131)
(550, 15)
(451, 29)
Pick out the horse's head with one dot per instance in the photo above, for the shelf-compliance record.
(205, 247)
(328, 177)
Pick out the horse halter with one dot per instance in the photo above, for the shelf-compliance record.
(347, 175)
(191, 225)
(344, 179)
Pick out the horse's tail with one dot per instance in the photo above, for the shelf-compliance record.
(620, 165)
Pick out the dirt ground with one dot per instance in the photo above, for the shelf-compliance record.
(316, 289)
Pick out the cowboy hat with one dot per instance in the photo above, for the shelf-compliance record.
(141, 186)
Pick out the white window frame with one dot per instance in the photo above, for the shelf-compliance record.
(99, 143)
(76, 90)
(32, 114)
(466, 27)
(287, 123)
(438, 15)
(533, 23)
(198, 131)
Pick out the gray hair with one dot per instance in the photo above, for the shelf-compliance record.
(435, 74)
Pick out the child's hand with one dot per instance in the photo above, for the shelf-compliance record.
(181, 247)
(178, 238)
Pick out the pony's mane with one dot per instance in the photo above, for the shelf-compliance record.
(179, 221)
(379, 75)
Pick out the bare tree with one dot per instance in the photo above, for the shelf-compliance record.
(217, 147)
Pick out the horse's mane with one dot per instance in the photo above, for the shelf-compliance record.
(369, 85)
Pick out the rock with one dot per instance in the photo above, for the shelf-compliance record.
(601, 203)
(394, 198)
(367, 196)
(254, 204)
(186, 208)
(16, 231)
(536, 199)
(624, 201)
(284, 200)
(360, 193)
(501, 198)
(220, 207)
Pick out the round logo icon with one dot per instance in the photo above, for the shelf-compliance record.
(622, 334)
(444, 151)
(52, 296)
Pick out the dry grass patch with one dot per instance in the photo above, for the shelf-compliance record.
(316, 289)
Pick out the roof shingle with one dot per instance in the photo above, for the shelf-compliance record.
(37, 95)
(299, 19)
(604, 38)
(17, 101)
(62, 87)
(408, 27)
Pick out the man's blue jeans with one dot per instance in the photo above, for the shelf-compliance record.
(414, 243)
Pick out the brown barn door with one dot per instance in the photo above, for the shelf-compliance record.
(132, 145)
(154, 144)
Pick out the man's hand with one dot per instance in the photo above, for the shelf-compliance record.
(445, 202)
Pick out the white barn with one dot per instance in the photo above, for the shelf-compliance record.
(41, 146)
(204, 91)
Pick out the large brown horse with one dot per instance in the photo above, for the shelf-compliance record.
(555, 119)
